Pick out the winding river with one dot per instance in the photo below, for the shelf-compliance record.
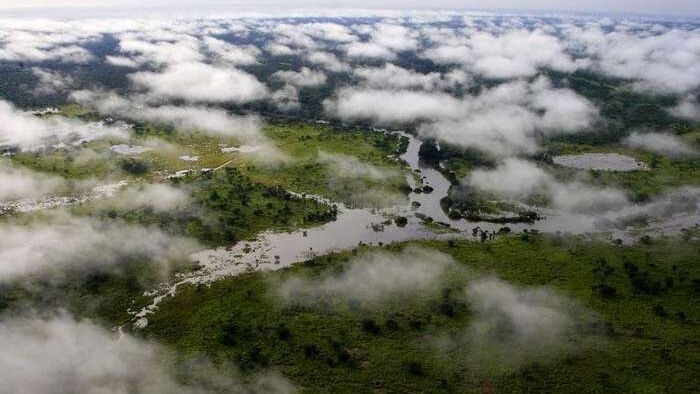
(357, 226)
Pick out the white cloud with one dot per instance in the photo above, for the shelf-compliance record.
(291, 35)
(232, 54)
(201, 82)
(187, 118)
(517, 53)
(211, 120)
(394, 37)
(50, 82)
(666, 62)
(328, 31)
(158, 53)
(688, 108)
(122, 61)
(391, 106)
(286, 98)
(368, 50)
(67, 244)
(502, 120)
(519, 179)
(395, 77)
(373, 277)
(346, 166)
(61, 354)
(29, 132)
(302, 78)
(160, 197)
(513, 325)
(663, 143)
(19, 183)
(507, 118)
(26, 41)
(328, 60)
(280, 50)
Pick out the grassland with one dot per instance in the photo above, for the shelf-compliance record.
(234, 203)
(651, 322)
(305, 174)
(291, 163)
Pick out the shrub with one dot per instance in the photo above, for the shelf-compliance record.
(414, 368)
(401, 221)
(311, 351)
(370, 326)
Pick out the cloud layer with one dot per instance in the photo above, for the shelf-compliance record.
(28, 132)
(518, 179)
(68, 244)
(374, 277)
(63, 355)
(514, 325)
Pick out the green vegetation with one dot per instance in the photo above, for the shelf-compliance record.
(305, 174)
(234, 208)
(664, 172)
(80, 164)
(294, 166)
(468, 203)
(105, 296)
(646, 297)
(226, 206)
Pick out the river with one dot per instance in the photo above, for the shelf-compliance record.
(357, 226)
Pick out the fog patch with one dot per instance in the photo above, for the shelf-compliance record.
(145, 52)
(22, 42)
(667, 62)
(511, 54)
(50, 82)
(188, 118)
(373, 278)
(267, 155)
(20, 183)
(29, 132)
(199, 82)
(502, 120)
(391, 106)
(667, 213)
(392, 76)
(688, 108)
(368, 50)
(360, 183)
(232, 54)
(159, 197)
(663, 143)
(514, 325)
(351, 167)
(65, 243)
(287, 98)
(302, 78)
(61, 354)
(519, 180)
(328, 61)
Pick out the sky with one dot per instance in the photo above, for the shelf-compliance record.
(664, 7)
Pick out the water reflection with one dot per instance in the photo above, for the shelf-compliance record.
(353, 227)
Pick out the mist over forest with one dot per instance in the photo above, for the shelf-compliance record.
(278, 201)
